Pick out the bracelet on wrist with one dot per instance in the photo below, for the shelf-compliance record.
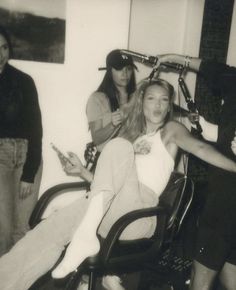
(187, 61)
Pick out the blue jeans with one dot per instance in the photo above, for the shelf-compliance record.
(14, 212)
(39, 250)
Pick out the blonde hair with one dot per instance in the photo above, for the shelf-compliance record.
(135, 125)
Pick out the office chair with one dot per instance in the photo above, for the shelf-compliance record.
(116, 256)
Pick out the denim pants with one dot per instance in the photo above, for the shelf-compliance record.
(41, 247)
(14, 212)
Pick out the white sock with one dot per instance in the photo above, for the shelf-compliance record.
(84, 242)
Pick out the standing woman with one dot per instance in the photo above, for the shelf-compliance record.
(107, 105)
(20, 148)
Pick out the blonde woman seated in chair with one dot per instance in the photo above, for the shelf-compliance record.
(131, 173)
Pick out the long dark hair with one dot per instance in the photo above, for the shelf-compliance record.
(6, 35)
(108, 87)
(135, 125)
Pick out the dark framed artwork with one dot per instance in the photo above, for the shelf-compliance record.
(36, 27)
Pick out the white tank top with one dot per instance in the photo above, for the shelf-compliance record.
(154, 164)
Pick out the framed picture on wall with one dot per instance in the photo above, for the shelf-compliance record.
(36, 27)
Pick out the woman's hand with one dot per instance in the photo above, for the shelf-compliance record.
(233, 144)
(116, 117)
(74, 165)
(193, 118)
(25, 189)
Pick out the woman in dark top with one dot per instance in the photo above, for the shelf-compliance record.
(20, 148)
(216, 244)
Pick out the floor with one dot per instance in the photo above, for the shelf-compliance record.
(158, 276)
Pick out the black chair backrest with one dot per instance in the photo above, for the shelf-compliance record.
(177, 197)
(170, 211)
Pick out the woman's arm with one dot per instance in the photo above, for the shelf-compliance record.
(102, 122)
(183, 139)
(193, 63)
(209, 130)
(32, 120)
(101, 134)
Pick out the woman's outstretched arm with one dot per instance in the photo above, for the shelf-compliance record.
(183, 139)
(193, 63)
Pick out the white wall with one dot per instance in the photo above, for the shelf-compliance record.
(93, 28)
(166, 26)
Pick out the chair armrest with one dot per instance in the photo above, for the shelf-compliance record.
(119, 226)
(52, 193)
